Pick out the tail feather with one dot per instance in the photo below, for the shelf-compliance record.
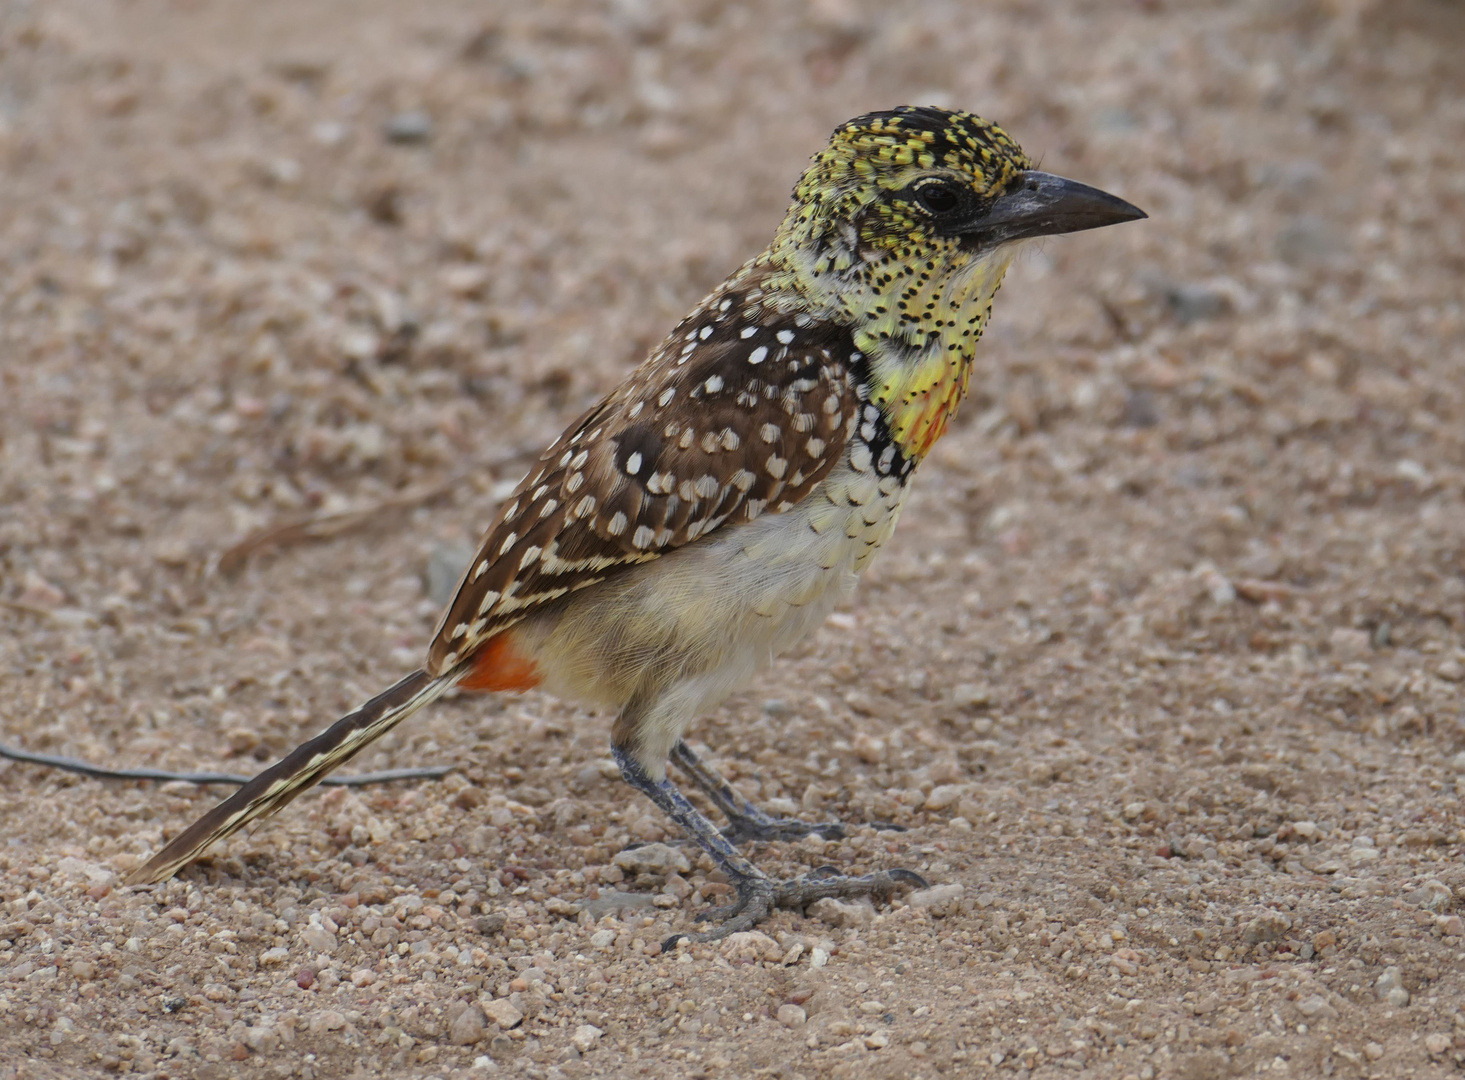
(300, 769)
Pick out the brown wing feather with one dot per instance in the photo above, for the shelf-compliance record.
(740, 412)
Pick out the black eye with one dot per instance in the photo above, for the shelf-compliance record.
(938, 197)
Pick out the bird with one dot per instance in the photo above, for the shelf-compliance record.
(711, 510)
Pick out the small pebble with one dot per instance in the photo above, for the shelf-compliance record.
(1316, 1005)
(844, 914)
(1268, 926)
(1432, 896)
(750, 946)
(1389, 987)
(414, 126)
(970, 695)
(791, 1016)
(468, 1028)
(938, 899)
(586, 1038)
(944, 796)
(502, 1012)
(869, 749)
(658, 860)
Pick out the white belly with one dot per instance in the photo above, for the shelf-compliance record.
(666, 641)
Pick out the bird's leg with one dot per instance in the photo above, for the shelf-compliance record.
(746, 821)
(758, 894)
(755, 888)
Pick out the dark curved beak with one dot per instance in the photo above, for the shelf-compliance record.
(1046, 205)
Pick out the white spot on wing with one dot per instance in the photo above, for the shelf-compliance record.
(758, 355)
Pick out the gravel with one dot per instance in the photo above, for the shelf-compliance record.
(1161, 672)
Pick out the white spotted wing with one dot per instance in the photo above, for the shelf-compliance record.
(737, 414)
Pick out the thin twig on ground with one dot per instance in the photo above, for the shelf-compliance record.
(74, 765)
(327, 525)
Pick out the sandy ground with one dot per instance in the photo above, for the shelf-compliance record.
(1162, 670)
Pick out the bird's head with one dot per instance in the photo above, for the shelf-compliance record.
(902, 229)
(921, 183)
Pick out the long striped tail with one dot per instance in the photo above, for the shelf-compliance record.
(298, 770)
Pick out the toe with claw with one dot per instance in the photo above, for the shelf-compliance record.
(742, 829)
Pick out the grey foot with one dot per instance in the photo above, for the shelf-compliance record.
(742, 828)
(758, 896)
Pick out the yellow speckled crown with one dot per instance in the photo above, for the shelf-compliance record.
(883, 151)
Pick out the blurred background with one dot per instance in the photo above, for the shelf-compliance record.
(352, 265)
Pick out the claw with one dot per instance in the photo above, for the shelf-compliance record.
(910, 877)
(755, 903)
